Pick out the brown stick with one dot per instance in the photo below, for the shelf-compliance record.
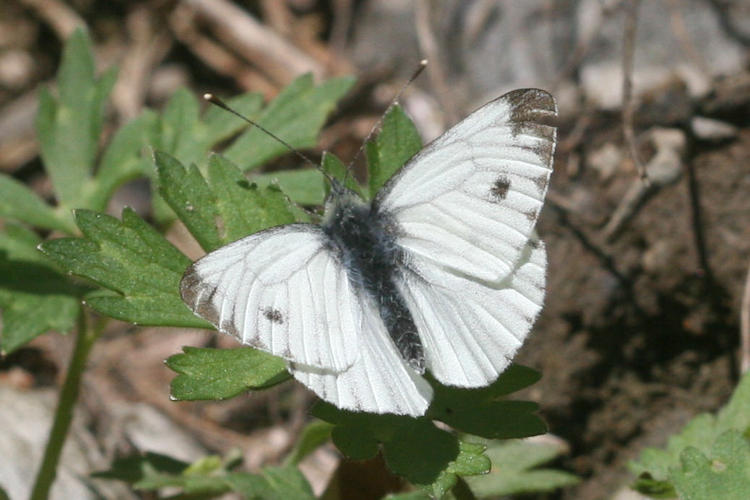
(628, 106)
(271, 53)
(59, 16)
(745, 327)
(431, 50)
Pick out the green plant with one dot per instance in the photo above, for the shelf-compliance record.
(131, 272)
(709, 458)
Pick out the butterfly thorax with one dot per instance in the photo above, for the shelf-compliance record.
(364, 240)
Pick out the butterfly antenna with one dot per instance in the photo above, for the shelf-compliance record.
(218, 102)
(376, 127)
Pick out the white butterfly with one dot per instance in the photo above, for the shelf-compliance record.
(440, 272)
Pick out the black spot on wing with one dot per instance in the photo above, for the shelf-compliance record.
(499, 189)
(273, 315)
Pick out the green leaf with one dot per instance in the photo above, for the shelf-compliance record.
(207, 478)
(353, 444)
(296, 116)
(471, 461)
(736, 414)
(223, 373)
(397, 142)
(724, 473)
(514, 469)
(3, 494)
(245, 208)
(442, 447)
(221, 125)
(303, 186)
(34, 296)
(188, 194)
(224, 208)
(21, 203)
(413, 448)
(655, 468)
(179, 124)
(136, 468)
(130, 258)
(69, 128)
(479, 412)
(336, 168)
(123, 160)
(314, 435)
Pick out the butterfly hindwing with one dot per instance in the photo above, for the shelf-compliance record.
(470, 331)
(379, 382)
(281, 291)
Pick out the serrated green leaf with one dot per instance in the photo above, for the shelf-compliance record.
(244, 207)
(128, 257)
(304, 186)
(69, 128)
(34, 296)
(314, 435)
(513, 469)
(124, 158)
(479, 412)
(396, 143)
(296, 116)
(724, 473)
(188, 194)
(20, 203)
(223, 373)
(224, 208)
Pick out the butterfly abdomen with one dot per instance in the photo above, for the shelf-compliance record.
(364, 241)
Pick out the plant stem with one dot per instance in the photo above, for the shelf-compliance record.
(85, 339)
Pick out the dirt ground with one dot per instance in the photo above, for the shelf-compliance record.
(640, 331)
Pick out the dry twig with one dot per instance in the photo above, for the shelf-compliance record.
(431, 50)
(63, 19)
(217, 57)
(148, 46)
(628, 104)
(745, 327)
(264, 48)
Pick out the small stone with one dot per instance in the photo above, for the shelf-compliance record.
(605, 160)
(711, 130)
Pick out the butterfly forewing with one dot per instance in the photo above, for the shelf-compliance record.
(281, 291)
(469, 201)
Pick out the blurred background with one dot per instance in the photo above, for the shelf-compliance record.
(641, 330)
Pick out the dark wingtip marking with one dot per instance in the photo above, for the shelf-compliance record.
(189, 286)
(500, 189)
(273, 315)
(534, 111)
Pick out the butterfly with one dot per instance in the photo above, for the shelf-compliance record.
(441, 272)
